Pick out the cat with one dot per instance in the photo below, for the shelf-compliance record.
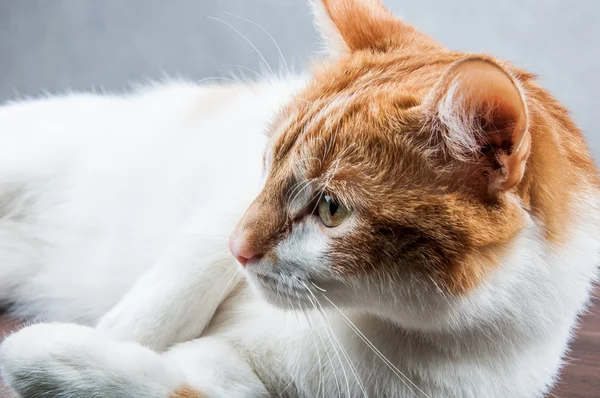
(422, 223)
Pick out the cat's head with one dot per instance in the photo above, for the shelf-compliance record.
(391, 176)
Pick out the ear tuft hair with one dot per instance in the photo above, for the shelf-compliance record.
(479, 111)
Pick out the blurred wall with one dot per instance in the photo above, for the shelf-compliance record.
(106, 44)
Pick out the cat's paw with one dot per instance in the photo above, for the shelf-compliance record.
(74, 361)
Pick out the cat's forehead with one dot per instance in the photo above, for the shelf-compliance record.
(345, 129)
(357, 96)
(353, 117)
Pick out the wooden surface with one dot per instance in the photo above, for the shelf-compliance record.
(579, 379)
(7, 325)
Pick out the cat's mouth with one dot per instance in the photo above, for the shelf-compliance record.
(283, 291)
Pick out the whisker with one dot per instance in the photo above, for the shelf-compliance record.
(300, 191)
(216, 78)
(331, 175)
(324, 147)
(307, 159)
(321, 192)
(337, 383)
(247, 40)
(334, 137)
(319, 363)
(318, 287)
(286, 387)
(337, 162)
(330, 361)
(292, 189)
(241, 67)
(329, 178)
(333, 345)
(296, 186)
(267, 33)
(394, 369)
(344, 352)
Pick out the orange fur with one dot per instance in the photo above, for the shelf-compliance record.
(363, 124)
(372, 26)
(187, 392)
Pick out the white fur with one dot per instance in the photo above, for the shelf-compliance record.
(115, 213)
(114, 208)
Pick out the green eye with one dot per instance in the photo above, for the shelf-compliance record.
(331, 212)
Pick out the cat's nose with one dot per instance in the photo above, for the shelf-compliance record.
(240, 248)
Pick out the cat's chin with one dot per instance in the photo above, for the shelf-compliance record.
(289, 293)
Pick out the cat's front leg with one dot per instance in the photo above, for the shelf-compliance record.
(214, 367)
(175, 300)
(67, 360)
(72, 361)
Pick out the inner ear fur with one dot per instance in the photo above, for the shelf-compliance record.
(479, 113)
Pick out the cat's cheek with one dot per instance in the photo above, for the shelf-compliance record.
(305, 241)
(306, 246)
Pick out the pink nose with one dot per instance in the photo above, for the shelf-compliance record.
(240, 249)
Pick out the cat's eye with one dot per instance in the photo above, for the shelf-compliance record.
(331, 212)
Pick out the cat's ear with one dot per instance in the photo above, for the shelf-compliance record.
(478, 114)
(353, 25)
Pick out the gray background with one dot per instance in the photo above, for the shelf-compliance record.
(56, 45)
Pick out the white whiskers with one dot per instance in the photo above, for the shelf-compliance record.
(319, 364)
(317, 305)
(304, 186)
(330, 174)
(242, 67)
(216, 78)
(267, 33)
(390, 365)
(247, 40)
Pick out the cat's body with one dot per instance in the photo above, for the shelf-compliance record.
(203, 157)
(117, 203)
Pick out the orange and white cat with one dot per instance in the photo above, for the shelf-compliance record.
(423, 223)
